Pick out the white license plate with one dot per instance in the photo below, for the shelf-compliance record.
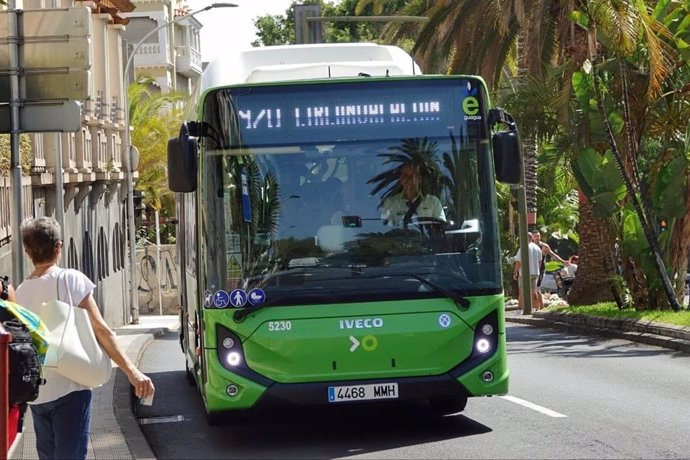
(363, 392)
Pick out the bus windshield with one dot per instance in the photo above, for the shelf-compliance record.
(348, 192)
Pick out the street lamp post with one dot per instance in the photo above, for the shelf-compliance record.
(134, 307)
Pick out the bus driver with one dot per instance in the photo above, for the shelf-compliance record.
(411, 201)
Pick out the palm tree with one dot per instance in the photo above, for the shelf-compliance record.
(460, 183)
(25, 154)
(668, 130)
(419, 153)
(620, 29)
(265, 210)
(155, 118)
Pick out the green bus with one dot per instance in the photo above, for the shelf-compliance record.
(309, 273)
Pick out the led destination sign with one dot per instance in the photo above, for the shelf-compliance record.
(354, 111)
(346, 114)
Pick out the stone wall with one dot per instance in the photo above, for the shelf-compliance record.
(150, 285)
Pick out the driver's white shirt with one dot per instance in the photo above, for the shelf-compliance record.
(395, 207)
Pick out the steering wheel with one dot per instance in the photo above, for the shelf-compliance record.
(430, 226)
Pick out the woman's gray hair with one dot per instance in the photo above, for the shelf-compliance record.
(42, 238)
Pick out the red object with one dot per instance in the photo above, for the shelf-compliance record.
(5, 429)
(12, 425)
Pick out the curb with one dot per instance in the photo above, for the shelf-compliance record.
(647, 332)
(124, 400)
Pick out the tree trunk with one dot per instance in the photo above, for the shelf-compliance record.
(680, 243)
(596, 259)
(637, 284)
(639, 203)
(529, 150)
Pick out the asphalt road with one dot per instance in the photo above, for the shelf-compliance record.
(571, 396)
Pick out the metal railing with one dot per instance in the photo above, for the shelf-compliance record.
(5, 338)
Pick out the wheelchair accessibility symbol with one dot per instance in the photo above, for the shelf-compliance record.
(220, 299)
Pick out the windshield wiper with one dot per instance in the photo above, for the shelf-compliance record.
(463, 303)
(241, 314)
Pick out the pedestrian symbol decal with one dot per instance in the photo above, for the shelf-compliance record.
(221, 299)
(256, 296)
(238, 298)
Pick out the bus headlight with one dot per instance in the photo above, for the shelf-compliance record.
(233, 358)
(483, 345)
(229, 347)
(486, 336)
(230, 352)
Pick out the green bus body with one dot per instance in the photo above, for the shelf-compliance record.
(354, 307)
(316, 351)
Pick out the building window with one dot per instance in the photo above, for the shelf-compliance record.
(117, 255)
(87, 257)
(72, 260)
(102, 254)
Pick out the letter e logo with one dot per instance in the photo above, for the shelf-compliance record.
(470, 105)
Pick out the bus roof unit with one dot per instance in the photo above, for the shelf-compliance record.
(306, 62)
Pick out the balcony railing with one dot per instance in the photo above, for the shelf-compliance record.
(151, 54)
(188, 61)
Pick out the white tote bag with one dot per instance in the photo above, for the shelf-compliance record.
(73, 350)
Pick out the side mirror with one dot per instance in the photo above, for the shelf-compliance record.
(506, 147)
(182, 162)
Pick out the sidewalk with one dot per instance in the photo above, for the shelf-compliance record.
(115, 433)
(647, 332)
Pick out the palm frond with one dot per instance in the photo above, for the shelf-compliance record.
(421, 153)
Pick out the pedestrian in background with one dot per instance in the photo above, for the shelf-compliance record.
(547, 254)
(571, 267)
(61, 414)
(535, 258)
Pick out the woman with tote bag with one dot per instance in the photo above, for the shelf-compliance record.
(62, 411)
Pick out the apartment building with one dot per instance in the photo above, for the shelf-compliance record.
(172, 55)
(81, 177)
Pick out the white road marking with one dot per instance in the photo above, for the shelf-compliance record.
(538, 408)
(171, 419)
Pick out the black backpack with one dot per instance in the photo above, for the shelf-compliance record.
(24, 366)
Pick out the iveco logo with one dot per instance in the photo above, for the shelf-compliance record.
(364, 323)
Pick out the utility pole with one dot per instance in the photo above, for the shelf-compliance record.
(525, 285)
(15, 128)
